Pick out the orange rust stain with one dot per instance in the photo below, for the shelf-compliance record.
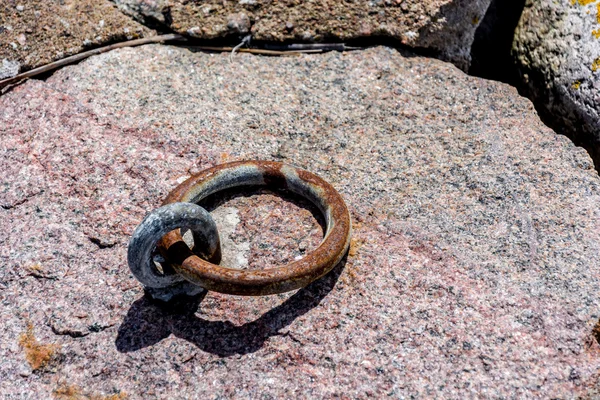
(37, 267)
(36, 270)
(36, 354)
(73, 392)
(67, 392)
(355, 245)
(223, 158)
(351, 275)
(356, 224)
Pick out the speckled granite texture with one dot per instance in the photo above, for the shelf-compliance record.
(446, 27)
(36, 32)
(474, 270)
(557, 51)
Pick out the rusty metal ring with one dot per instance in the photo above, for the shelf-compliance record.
(273, 280)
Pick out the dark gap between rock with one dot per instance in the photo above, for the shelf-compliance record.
(491, 58)
(491, 49)
(150, 21)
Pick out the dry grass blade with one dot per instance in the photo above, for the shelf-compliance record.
(254, 51)
(78, 57)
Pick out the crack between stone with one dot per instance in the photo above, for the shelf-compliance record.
(69, 332)
(15, 204)
(500, 68)
(100, 243)
(20, 202)
(94, 328)
(148, 21)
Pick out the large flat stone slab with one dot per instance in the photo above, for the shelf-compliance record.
(474, 270)
(445, 27)
(36, 32)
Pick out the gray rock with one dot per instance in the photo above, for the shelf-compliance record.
(557, 50)
(451, 32)
(474, 270)
(444, 27)
(149, 12)
(9, 68)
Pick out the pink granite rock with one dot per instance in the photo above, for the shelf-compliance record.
(474, 270)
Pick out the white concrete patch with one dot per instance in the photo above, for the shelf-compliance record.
(235, 255)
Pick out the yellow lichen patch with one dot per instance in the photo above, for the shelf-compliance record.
(36, 267)
(224, 157)
(596, 64)
(596, 33)
(576, 85)
(351, 274)
(584, 2)
(68, 392)
(72, 392)
(36, 354)
(355, 244)
(38, 271)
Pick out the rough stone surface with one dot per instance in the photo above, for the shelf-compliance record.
(36, 32)
(557, 49)
(446, 27)
(148, 12)
(474, 270)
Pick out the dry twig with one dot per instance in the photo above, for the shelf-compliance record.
(78, 57)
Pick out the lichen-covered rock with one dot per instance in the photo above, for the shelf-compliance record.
(36, 32)
(557, 50)
(148, 12)
(474, 269)
(9, 68)
(446, 27)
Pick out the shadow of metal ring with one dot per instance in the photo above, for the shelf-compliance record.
(278, 279)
